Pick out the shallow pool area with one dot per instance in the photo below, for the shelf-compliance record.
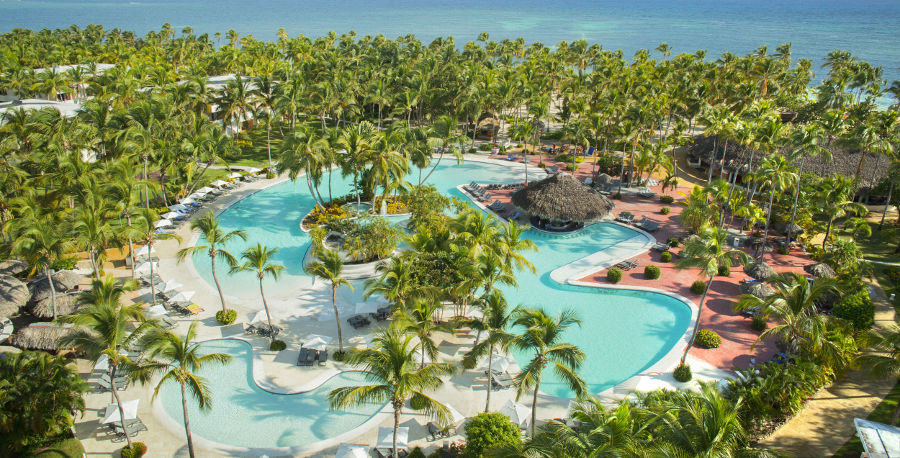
(245, 415)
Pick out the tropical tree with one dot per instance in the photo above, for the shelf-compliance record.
(172, 358)
(884, 361)
(393, 377)
(303, 151)
(42, 242)
(419, 319)
(542, 335)
(495, 319)
(708, 252)
(835, 201)
(510, 244)
(776, 173)
(329, 267)
(216, 239)
(142, 229)
(258, 260)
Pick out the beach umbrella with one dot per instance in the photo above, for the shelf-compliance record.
(259, 316)
(499, 363)
(316, 344)
(386, 437)
(188, 201)
(561, 197)
(352, 451)
(102, 363)
(789, 226)
(162, 223)
(65, 305)
(455, 416)
(760, 271)
(129, 409)
(156, 311)
(183, 296)
(254, 170)
(363, 308)
(41, 336)
(518, 413)
(144, 268)
(178, 208)
(233, 175)
(168, 285)
(219, 183)
(820, 269)
(205, 190)
(173, 215)
(144, 251)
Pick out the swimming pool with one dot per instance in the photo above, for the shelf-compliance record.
(623, 331)
(245, 415)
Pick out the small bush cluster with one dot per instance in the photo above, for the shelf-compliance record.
(416, 453)
(226, 316)
(706, 338)
(395, 205)
(666, 199)
(277, 345)
(339, 355)
(617, 196)
(485, 147)
(758, 323)
(651, 272)
(683, 373)
(698, 287)
(490, 430)
(665, 210)
(570, 168)
(137, 450)
(783, 250)
(724, 271)
(857, 308)
(665, 256)
(613, 275)
(673, 242)
(65, 262)
(568, 158)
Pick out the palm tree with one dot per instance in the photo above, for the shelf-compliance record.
(42, 242)
(495, 319)
(103, 329)
(216, 239)
(509, 244)
(302, 151)
(708, 251)
(543, 336)
(835, 200)
(886, 362)
(443, 131)
(419, 320)
(393, 378)
(257, 260)
(329, 267)
(776, 173)
(177, 359)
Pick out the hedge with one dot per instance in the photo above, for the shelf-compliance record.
(613, 275)
(490, 430)
(666, 199)
(857, 308)
(227, 316)
(706, 338)
(277, 345)
(698, 287)
(651, 272)
(665, 256)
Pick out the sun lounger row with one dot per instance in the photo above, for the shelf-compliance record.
(435, 432)
(627, 265)
(496, 206)
(358, 321)
(263, 330)
(501, 380)
(309, 357)
(646, 192)
(645, 223)
(132, 428)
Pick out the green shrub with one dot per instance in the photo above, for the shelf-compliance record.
(683, 373)
(698, 287)
(783, 250)
(613, 275)
(706, 338)
(665, 210)
(472, 150)
(542, 165)
(555, 135)
(137, 450)
(673, 242)
(665, 256)
(277, 345)
(856, 308)
(570, 168)
(568, 158)
(226, 316)
(651, 272)
(758, 323)
(489, 430)
(893, 275)
(64, 263)
(339, 355)
(666, 199)
(416, 453)
(724, 271)
(485, 147)
(617, 196)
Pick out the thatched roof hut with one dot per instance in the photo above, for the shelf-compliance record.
(66, 304)
(820, 269)
(757, 288)
(561, 197)
(63, 281)
(41, 336)
(604, 179)
(13, 295)
(12, 267)
(794, 228)
(760, 271)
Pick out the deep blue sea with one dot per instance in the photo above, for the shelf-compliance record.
(869, 29)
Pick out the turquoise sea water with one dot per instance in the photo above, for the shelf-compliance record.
(867, 28)
(245, 415)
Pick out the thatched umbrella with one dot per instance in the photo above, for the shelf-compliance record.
(13, 295)
(561, 197)
(757, 288)
(793, 228)
(820, 269)
(63, 281)
(65, 305)
(42, 336)
(760, 271)
(12, 267)
(604, 179)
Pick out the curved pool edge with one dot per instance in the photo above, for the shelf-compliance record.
(259, 373)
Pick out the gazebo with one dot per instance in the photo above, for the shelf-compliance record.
(558, 201)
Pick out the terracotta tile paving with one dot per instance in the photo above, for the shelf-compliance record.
(717, 314)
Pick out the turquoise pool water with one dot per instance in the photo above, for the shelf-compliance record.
(623, 332)
(245, 415)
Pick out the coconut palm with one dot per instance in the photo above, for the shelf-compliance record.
(41, 242)
(419, 319)
(302, 151)
(329, 267)
(510, 244)
(885, 361)
(216, 239)
(495, 319)
(444, 134)
(708, 252)
(393, 377)
(835, 201)
(143, 231)
(776, 173)
(258, 260)
(172, 358)
(542, 335)
(104, 327)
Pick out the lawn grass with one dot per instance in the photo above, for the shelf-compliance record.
(881, 414)
(255, 154)
(66, 448)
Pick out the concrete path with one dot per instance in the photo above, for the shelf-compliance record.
(826, 422)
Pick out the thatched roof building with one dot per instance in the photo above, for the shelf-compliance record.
(794, 228)
(66, 304)
(41, 336)
(13, 295)
(757, 288)
(561, 197)
(12, 267)
(760, 271)
(820, 269)
(63, 281)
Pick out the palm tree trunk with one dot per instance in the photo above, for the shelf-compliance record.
(440, 156)
(790, 230)
(712, 159)
(269, 143)
(537, 386)
(337, 318)
(266, 306)
(187, 422)
(115, 394)
(146, 185)
(52, 290)
(396, 427)
(215, 280)
(131, 246)
(487, 402)
(827, 232)
(152, 284)
(697, 323)
(887, 205)
(768, 221)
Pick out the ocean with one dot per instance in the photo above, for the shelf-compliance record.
(869, 29)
